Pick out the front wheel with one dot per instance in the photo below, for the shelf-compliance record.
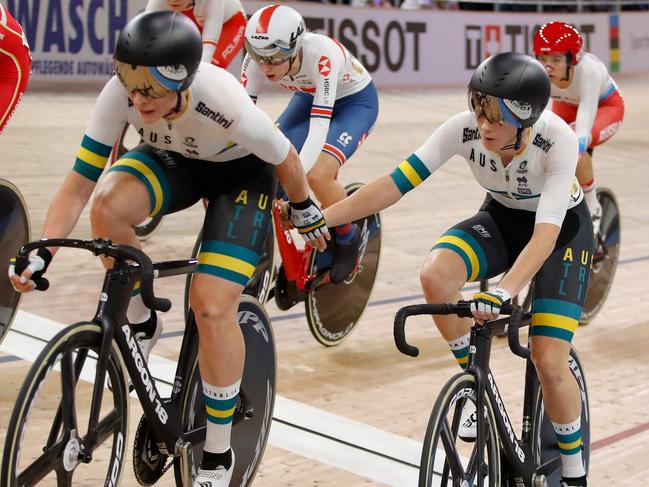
(254, 410)
(52, 411)
(544, 440)
(448, 460)
(607, 252)
(333, 310)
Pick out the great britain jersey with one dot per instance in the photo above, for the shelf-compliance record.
(591, 83)
(220, 124)
(328, 72)
(540, 179)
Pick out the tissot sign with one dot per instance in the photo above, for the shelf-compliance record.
(74, 39)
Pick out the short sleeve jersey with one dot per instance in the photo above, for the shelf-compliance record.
(541, 178)
(220, 124)
(328, 72)
(591, 83)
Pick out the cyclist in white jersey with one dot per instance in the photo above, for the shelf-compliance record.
(333, 110)
(203, 138)
(533, 222)
(221, 22)
(584, 95)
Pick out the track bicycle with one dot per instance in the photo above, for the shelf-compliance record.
(332, 309)
(73, 405)
(14, 232)
(605, 258)
(497, 457)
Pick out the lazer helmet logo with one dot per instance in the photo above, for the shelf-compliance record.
(176, 73)
(521, 109)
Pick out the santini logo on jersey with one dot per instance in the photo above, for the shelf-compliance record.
(544, 144)
(216, 116)
(470, 134)
(521, 109)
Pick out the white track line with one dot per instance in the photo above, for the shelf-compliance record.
(299, 428)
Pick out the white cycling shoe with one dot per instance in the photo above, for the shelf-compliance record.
(147, 334)
(468, 421)
(220, 477)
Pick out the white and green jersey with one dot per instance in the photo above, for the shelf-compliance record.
(540, 179)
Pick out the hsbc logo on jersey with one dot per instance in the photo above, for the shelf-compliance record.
(324, 66)
(244, 79)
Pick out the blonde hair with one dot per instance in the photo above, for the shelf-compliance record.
(140, 78)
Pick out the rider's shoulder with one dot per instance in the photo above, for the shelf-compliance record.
(551, 131)
(314, 43)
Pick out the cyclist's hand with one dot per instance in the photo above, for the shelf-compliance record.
(284, 214)
(27, 274)
(486, 305)
(310, 223)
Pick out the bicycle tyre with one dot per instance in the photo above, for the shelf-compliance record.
(448, 406)
(249, 434)
(605, 258)
(544, 440)
(260, 283)
(58, 451)
(14, 232)
(334, 309)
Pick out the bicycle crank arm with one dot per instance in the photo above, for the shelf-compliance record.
(183, 450)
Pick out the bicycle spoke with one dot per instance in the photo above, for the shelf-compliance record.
(452, 455)
(68, 405)
(43, 465)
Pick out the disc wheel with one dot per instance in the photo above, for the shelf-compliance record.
(334, 309)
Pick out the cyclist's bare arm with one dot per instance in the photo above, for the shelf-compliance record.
(371, 198)
(62, 216)
(291, 175)
(530, 260)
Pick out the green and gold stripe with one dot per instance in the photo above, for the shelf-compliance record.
(555, 318)
(220, 411)
(227, 261)
(147, 170)
(410, 173)
(91, 158)
(468, 249)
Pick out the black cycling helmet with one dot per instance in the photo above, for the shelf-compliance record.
(518, 81)
(158, 53)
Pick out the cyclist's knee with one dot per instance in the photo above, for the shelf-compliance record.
(317, 177)
(437, 282)
(214, 302)
(551, 366)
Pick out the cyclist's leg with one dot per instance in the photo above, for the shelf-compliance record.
(234, 232)
(469, 251)
(230, 41)
(560, 289)
(352, 120)
(607, 121)
(139, 185)
(294, 120)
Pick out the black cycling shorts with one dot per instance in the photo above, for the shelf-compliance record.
(239, 213)
(490, 241)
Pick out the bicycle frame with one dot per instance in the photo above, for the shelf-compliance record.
(163, 415)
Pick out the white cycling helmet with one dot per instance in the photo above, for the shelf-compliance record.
(274, 34)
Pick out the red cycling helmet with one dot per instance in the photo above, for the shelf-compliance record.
(559, 37)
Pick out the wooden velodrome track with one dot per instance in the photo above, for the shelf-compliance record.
(366, 380)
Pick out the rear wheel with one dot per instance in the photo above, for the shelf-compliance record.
(333, 310)
(446, 459)
(52, 412)
(605, 257)
(14, 232)
(254, 411)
